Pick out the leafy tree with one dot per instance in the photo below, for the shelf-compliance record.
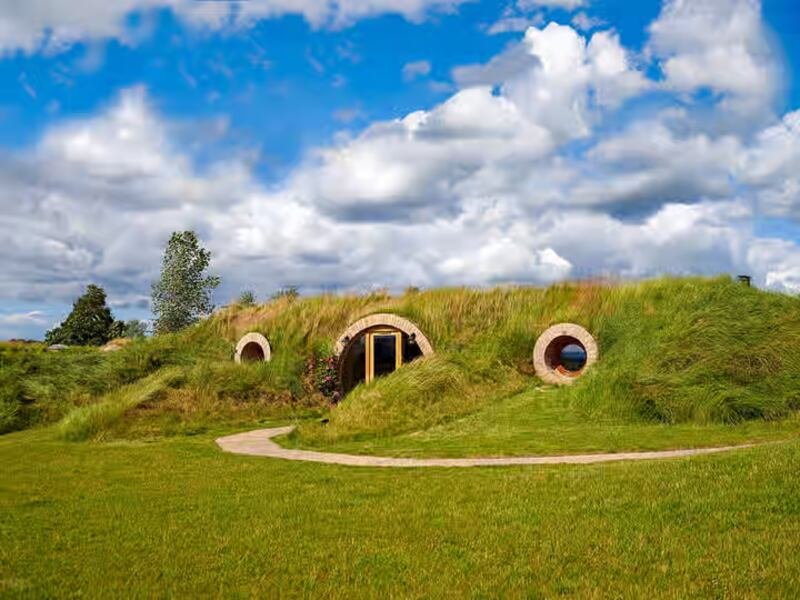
(117, 330)
(291, 292)
(246, 298)
(89, 324)
(135, 329)
(183, 293)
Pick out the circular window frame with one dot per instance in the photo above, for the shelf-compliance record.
(253, 338)
(543, 351)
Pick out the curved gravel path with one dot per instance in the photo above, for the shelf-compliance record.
(260, 443)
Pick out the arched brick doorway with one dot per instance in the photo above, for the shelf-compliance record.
(378, 345)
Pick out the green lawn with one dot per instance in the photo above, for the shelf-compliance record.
(538, 421)
(177, 517)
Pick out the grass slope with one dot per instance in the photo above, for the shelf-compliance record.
(176, 517)
(91, 420)
(537, 422)
(687, 351)
(39, 387)
(693, 352)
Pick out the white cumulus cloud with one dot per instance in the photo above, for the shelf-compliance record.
(514, 178)
(53, 25)
(773, 165)
(721, 45)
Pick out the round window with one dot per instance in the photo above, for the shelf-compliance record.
(564, 352)
(565, 355)
(573, 357)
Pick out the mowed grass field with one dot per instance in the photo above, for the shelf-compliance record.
(177, 517)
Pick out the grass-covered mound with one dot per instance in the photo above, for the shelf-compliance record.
(39, 387)
(672, 351)
(98, 393)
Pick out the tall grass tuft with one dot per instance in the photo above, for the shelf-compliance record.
(421, 394)
(90, 421)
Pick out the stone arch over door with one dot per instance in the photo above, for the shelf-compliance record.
(358, 353)
(386, 320)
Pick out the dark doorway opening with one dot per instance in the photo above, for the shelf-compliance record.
(374, 353)
(252, 352)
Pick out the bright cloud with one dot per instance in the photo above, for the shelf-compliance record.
(54, 25)
(34, 317)
(717, 44)
(531, 172)
(554, 77)
(773, 166)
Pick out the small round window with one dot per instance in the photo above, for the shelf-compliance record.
(573, 357)
(565, 355)
(564, 352)
(253, 347)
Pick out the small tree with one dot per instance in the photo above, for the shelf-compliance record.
(183, 293)
(290, 291)
(117, 330)
(89, 324)
(246, 298)
(135, 329)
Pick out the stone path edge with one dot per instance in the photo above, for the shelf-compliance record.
(260, 443)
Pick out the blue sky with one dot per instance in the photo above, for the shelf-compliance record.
(403, 142)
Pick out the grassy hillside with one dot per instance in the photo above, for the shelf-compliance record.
(673, 351)
(39, 387)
